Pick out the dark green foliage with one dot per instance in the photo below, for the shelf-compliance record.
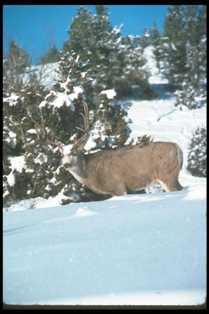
(181, 53)
(15, 64)
(52, 55)
(154, 35)
(184, 27)
(197, 157)
(111, 61)
(17, 59)
(110, 129)
(23, 184)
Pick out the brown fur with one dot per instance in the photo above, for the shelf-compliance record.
(115, 172)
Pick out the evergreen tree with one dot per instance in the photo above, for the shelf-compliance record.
(110, 62)
(182, 53)
(193, 90)
(184, 27)
(15, 64)
(18, 59)
(20, 116)
(174, 45)
(52, 55)
(197, 157)
(154, 35)
(81, 33)
(157, 42)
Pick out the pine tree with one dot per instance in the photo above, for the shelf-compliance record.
(111, 63)
(20, 116)
(197, 157)
(52, 55)
(193, 91)
(174, 45)
(18, 59)
(81, 34)
(156, 40)
(110, 128)
(154, 35)
(15, 64)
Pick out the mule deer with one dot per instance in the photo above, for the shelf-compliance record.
(118, 171)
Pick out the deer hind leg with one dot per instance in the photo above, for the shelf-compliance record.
(171, 185)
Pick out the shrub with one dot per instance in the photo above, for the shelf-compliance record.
(197, 153)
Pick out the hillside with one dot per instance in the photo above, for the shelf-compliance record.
(145, 249)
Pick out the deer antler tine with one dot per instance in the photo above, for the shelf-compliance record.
(86, 112)
(85, 117)
(80, 128)
(80, 143)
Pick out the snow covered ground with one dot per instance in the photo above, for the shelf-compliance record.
(145, 249)
(136, 249)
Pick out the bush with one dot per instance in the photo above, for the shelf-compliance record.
(197, 156)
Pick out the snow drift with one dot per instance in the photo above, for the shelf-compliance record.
(136, 249)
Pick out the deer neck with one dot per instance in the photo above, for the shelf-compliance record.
(78, 168)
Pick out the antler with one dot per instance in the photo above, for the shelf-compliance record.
(80, 143)
(85, 116)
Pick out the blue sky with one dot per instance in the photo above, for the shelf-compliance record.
(36, 27)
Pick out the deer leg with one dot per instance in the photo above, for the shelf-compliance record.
(177, 186)
(120, 190)
(171, 185)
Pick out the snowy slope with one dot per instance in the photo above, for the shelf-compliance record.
(160, 119)
(151, 65)
(47, 74)
(137, 249)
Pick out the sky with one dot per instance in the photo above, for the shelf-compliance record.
(36, 27)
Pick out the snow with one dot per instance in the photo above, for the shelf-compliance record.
(156, 77)
(63, 99)
(77, 90)
(142, 249)
(17, 163)
(150, 298)
(110, 93)
(135, 249)
(11, 179)
(12, 135)
(32, 131)
(12, 99)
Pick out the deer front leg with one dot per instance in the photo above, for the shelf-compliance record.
(119, 190)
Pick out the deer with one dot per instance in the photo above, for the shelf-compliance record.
(117, 172)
